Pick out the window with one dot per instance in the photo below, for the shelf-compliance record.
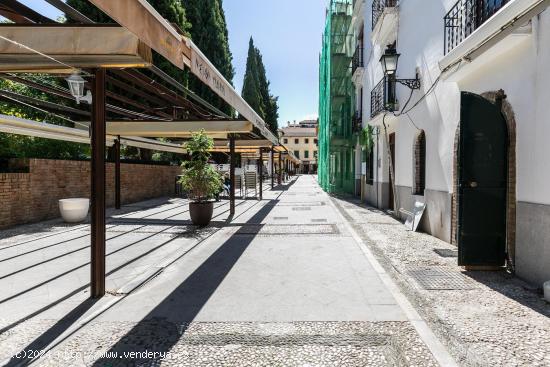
(370, 165)
(306, 153)
(297, 153)
(307, 141)
(315, 141)
(285, 141)
(296, 141)
(315, 154)
(419, 164)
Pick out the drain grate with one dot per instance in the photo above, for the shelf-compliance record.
(301, 208)
(445, 252)
(280, 218)
(288, 229)
(320, 220)
(441, 278)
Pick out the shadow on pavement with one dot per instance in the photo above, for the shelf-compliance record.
(512, 287)
(501, 281)
(156, 334)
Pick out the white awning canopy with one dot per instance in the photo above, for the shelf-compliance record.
(162, 37)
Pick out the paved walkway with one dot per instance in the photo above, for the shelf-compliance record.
(485, 318)
(285, 283)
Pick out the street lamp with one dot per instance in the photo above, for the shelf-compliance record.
(389, 62)
(389, 65)
(76, 87)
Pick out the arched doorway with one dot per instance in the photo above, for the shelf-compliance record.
(482, 181)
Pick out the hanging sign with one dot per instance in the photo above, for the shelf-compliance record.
(209, 75)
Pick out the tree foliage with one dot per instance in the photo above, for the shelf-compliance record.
(209, 32)
(366, 138)
(20, 146)
(199, 178)
(256, 88)
(172, 10)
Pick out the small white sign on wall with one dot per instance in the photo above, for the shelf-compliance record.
(364, 168)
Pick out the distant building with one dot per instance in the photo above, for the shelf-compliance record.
(301, 139)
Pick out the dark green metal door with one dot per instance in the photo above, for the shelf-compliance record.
(482, 182)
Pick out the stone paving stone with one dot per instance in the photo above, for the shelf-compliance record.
(500, 321)
(353, 344)
(257, 292)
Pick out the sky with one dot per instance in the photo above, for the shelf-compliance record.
(288, 34)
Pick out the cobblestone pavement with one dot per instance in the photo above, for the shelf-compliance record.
(357, 344)
(284, 284)
(484, 318)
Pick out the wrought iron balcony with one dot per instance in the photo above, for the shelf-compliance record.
(357, 122)
(465, 17)
(378, 7)
(358, 60)
(382, 97)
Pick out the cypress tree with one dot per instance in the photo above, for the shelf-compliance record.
(256, 88)
(251, 92)
(209, 32)
(269, 102)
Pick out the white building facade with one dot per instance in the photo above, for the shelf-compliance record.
(472, 141)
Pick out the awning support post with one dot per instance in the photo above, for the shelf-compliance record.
(117, 173)
(261, 169)
(272, 168)
(98, 185)
(232, 174)
(280, 168)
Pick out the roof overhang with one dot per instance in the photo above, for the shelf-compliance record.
(16, 125)
(249, 144)
(80, 46)
(140, 18)
(175, 129)
(502, 24)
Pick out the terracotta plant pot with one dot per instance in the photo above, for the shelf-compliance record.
(201, 213)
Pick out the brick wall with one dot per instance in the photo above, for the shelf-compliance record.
(31, 197)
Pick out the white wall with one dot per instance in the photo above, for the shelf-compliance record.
(522, 72)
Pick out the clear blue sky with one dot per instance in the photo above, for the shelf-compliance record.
(287, 32)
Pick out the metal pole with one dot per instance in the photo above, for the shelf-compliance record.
(272, 168)
(261, 166)
(288, 168)
(98, 185)
(117, 173)
(232, 174)
(279, 176)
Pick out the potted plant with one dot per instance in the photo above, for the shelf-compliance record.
(199, 179)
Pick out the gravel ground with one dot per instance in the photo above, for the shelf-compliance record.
(484, 318)
(302, 344)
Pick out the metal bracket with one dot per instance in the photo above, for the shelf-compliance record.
(409, 83)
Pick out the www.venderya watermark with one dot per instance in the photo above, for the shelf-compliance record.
(66, 355)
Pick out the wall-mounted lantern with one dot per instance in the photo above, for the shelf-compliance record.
(76, 87)
(389, 61)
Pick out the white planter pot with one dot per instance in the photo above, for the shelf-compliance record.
(74, 210)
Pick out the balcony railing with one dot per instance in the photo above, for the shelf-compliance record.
(357, 122)
(358, 60)
(465, 17)
(378, 7)
(382, 97)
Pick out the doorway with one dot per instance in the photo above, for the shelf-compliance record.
(482, 182)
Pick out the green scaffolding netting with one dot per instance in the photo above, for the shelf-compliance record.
(336, 171)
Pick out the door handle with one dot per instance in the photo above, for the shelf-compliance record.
(473, 184)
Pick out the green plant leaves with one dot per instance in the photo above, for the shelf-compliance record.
(199, 178)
